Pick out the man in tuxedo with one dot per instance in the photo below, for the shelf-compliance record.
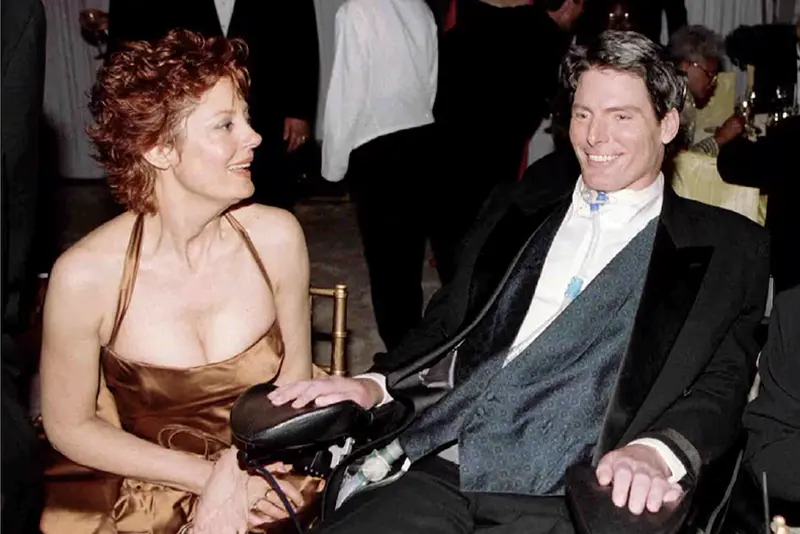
(773, 418)
(601, 319)
(283, 64)
(23, 61)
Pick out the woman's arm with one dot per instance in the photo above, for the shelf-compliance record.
(70, 373)
(286, 260)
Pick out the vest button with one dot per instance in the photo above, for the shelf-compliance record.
(480, 412)
(490, 396)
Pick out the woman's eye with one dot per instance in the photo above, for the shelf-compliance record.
(227, 125)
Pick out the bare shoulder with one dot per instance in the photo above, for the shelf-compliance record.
(95, 262)
(270, 227)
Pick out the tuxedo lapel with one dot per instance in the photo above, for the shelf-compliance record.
(508, 238)
(241, 18)
(513, 291)
(673, 280)
(509, 235)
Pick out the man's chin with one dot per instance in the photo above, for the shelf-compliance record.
(602, 180)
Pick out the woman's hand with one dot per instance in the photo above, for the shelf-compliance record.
(233, 501)
(223, 507)
(326, 391)
(265, 506)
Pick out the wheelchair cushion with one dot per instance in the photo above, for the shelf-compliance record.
(256, 423)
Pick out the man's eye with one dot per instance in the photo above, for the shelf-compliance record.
(622, 117)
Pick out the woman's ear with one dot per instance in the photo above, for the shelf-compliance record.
(161, 157)
(670, 125)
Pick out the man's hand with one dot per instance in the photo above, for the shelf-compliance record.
(326, 391)
(730, 129)
(295, 133)
(639, 476)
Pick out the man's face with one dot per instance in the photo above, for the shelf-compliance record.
(615, 133)
(702, 79)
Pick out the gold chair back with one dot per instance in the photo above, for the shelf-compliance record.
(338, 293)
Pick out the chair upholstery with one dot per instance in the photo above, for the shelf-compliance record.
(696, 177)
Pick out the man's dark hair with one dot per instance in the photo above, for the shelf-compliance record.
(633, 53)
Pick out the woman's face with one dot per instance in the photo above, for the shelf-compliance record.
(215, 148)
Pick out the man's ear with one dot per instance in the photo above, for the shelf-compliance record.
(670, 125)
(161, 157)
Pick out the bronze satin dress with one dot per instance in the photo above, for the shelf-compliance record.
(185, 409)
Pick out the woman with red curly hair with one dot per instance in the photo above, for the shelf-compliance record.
(188, 298)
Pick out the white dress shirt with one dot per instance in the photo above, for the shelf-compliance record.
(584, 244)
(384, 76)
(225, 13)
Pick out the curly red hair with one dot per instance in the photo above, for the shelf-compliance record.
(141, 97)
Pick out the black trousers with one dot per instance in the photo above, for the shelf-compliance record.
(394, 183)
(274, 183)
(427, 500)
(22, 463)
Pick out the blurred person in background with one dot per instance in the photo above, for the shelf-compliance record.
(698, 53)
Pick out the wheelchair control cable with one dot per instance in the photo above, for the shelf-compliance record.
(270, 478)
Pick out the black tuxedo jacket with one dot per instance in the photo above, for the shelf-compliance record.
(281, 35)
(23, 67)
(773, 418)
(691, 357)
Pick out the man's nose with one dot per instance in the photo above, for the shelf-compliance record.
(598, 133)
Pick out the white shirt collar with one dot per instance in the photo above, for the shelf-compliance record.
(621, 206)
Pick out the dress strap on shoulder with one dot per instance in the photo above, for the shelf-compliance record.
(129, 271)
(251, 247)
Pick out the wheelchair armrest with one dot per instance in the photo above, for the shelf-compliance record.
(593, 512)
(275, 433)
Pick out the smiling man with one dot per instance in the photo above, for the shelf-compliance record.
(602, 320)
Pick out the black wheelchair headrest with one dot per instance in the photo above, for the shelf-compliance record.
(266, 433)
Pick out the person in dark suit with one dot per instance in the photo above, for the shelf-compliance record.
(770, 164)
(643, 16)
(772, 420)
(489, 103)
(602, 319)
(23, 59)
(283, 65)
(650, 12)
